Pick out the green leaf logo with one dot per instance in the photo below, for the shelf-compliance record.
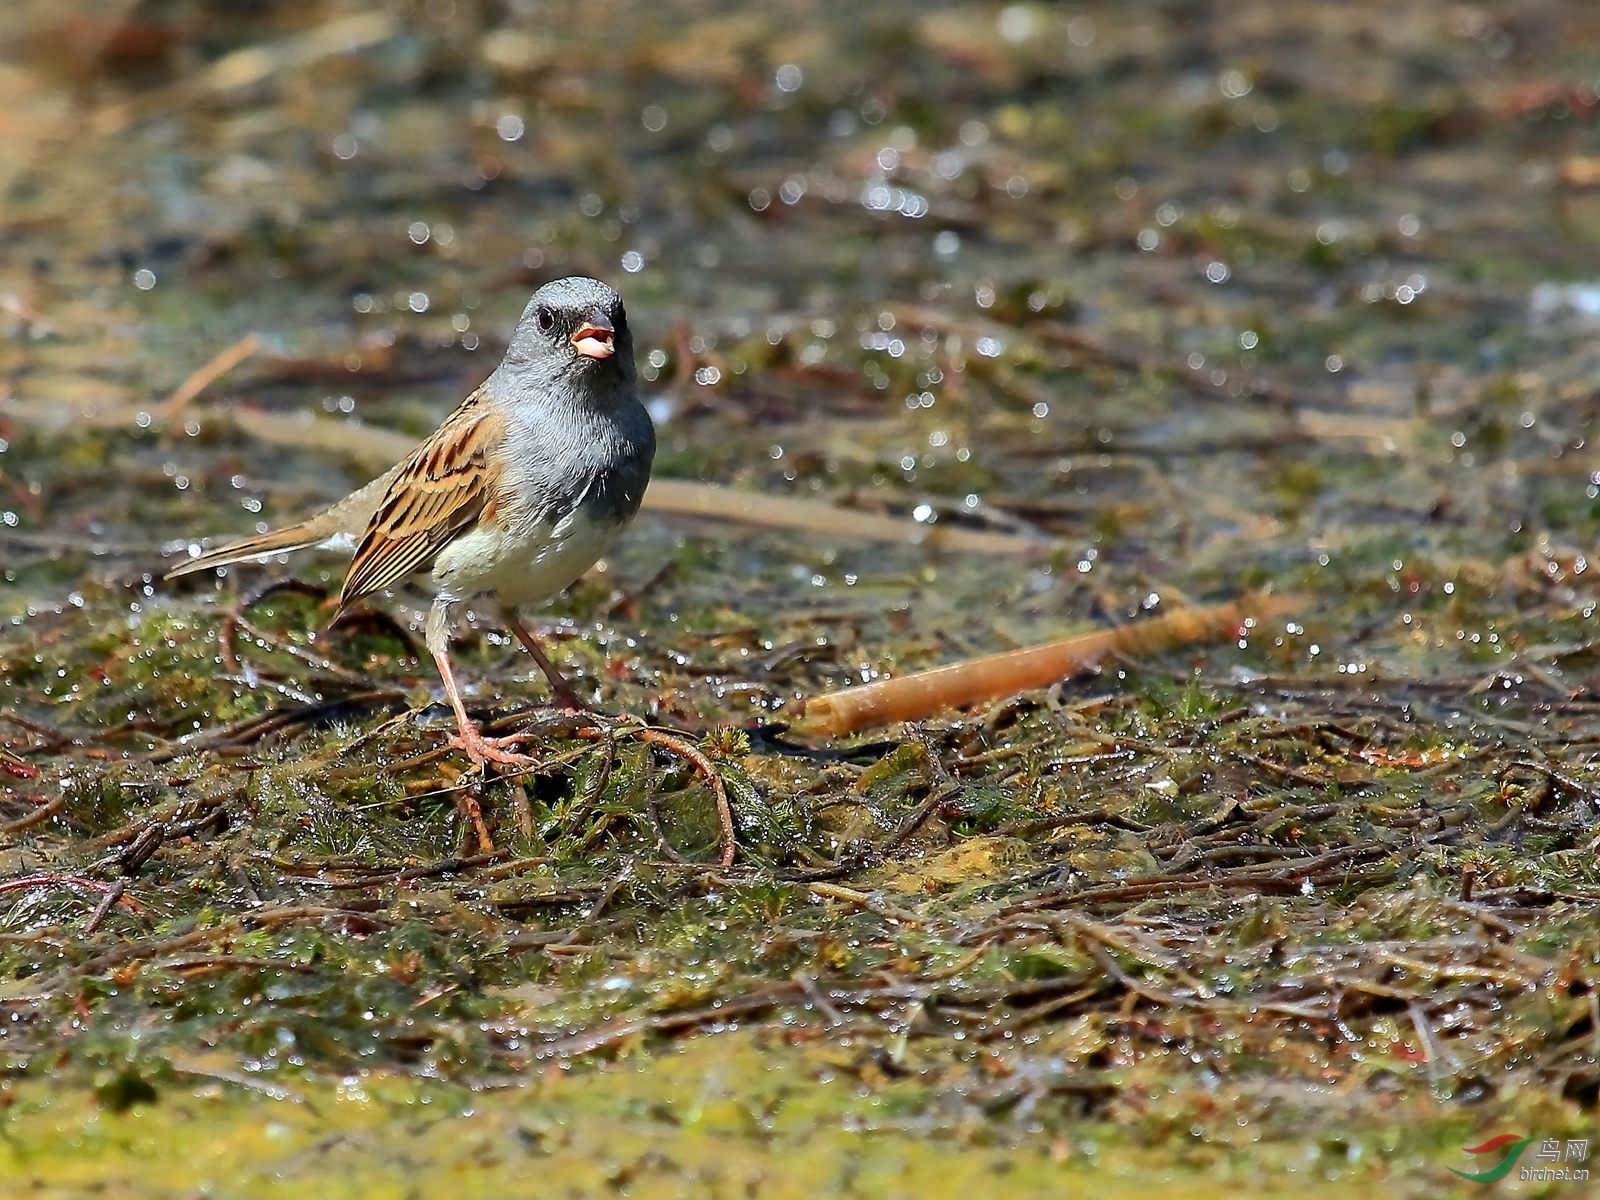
(1514, 1146)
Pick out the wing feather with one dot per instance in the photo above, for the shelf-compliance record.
(442, 489)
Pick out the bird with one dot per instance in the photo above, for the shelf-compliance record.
(515, 495)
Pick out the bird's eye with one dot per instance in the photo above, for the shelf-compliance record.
(547, 320)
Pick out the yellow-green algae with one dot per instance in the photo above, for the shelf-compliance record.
(724, 1116)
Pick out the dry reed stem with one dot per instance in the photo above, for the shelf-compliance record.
(674, 497)
(381, 448)
(219, 365)
(683, 498)
(958, 685)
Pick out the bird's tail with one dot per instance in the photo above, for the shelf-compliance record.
(333, 527)
(292, 537)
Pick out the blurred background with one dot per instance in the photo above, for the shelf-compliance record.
(1204, 292)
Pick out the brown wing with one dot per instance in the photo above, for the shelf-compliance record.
(440, 490)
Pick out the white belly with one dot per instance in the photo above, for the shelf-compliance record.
(520, 566)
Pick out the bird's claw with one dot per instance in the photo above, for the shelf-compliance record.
(484, 751)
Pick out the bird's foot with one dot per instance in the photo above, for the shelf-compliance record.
(484, 751)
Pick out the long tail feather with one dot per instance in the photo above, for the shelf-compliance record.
(345, 519)
(293, 537)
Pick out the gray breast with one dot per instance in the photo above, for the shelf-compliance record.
(614, 493)
(599, 461)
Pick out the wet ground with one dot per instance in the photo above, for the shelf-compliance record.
(1206, 298)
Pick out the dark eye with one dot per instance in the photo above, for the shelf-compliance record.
(547, 320)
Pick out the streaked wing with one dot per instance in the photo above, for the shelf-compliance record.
(443, 488)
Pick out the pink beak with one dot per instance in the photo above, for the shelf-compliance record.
(594, 337)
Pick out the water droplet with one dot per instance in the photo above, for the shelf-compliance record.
(1234, 84)
(1016, 23)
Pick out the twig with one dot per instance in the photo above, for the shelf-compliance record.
(1506, 979)
(521, 808)
(834, 891)
(942, 788)
(709, 772)
(53, 736)
(1157, 995)
(596, 726)
(809, 986)
(675, 497)
(12, 765)
(106, 901)
(1430, 1042)
(229, 962)
(218, 366)
(613, 1032)
(502, 870)
(446, 866)
(52, 879)
(1574, 786)
(1039, 1012)
(253, 729)
(653, 808)
(911, 697)
(681, 497)
(37, 817)
(249, 66)
(473, 812)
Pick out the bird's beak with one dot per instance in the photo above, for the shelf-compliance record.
(594, 337)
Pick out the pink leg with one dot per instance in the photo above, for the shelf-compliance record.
(561, 691)
(479, 748)
(482, 750)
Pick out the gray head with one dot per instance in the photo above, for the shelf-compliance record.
(575, 329)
